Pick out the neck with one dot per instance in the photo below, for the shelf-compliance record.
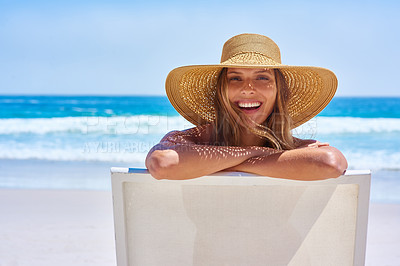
(251, 139)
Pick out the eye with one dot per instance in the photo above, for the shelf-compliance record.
(234, 79)
(263, 78)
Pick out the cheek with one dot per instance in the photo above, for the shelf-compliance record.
(231, 93)
(270, 96)
(270, 92)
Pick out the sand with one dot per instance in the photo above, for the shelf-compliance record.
(383, 239)
(75, 227)
(56, 227)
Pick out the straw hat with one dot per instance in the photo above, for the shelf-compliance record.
(192, 89)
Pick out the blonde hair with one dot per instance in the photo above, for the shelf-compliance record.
(230, 124)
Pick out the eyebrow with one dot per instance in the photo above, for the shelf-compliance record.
(262, 71)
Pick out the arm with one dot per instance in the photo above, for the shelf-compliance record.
(313, 161)
(178, 156)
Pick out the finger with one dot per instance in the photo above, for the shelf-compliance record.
(313, 145)
(323, 144)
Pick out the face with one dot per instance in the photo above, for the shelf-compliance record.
(253, 90)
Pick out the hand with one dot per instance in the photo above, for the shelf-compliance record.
(317, 144)
(310, 143)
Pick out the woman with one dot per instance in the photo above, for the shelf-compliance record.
(244, 110)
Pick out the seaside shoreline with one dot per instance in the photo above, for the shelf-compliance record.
(75, 227)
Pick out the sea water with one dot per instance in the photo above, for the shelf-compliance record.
(124, 128)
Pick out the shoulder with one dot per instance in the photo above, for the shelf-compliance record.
(198, 135)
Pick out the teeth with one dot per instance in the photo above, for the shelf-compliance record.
(249, 105)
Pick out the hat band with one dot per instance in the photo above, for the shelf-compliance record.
(250, 58)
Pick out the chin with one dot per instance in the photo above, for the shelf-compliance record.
(258, 120)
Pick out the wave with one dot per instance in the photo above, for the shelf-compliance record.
(352, 125)
(129, 138)
(146, 124)
(84, 153)
(373, 160)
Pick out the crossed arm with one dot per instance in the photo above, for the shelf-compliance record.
(177, 156)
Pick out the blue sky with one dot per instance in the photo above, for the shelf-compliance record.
(125, 47)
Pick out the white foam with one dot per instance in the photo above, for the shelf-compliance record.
(125, 150)
(161, 124)
(103, 152)
(341, 125)
(372, 159)
(119, 125)
(128, 139)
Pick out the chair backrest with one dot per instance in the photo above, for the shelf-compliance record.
(232, 218)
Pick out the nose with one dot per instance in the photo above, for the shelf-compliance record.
(248, 88)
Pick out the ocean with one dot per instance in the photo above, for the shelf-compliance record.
(119, 131)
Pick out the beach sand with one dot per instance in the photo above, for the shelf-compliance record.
(56, 227)
(75, 227)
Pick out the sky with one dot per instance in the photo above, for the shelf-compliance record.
(128, 47)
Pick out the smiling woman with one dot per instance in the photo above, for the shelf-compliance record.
(244, 110)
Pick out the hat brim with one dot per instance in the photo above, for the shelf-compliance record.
(191, 90)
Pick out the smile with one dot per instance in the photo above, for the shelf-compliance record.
(249, 105)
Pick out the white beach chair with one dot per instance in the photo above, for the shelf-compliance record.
(239, 219)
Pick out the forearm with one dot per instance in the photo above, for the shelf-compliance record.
(300, 164)
(185, 161)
